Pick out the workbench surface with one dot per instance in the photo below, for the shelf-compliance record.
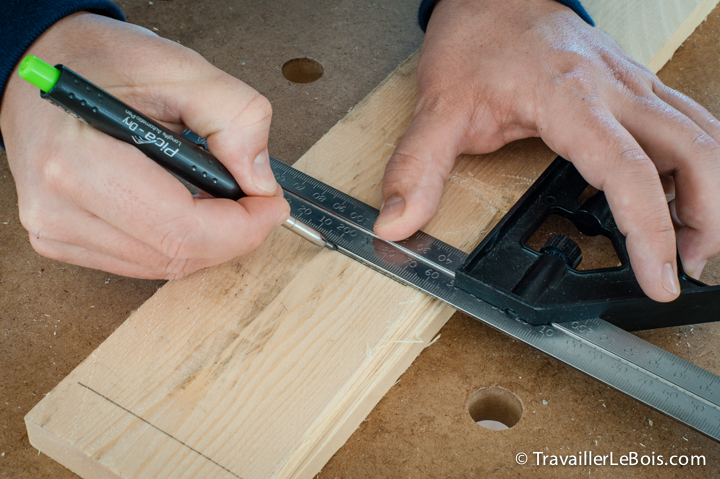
(53, 315)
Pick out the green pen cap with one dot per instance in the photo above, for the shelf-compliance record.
(39, 73)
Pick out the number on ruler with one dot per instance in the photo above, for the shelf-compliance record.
(421, 248)
(630, 351)
(581, 328)
(546, 331)
(596, 355)
(670, 394)
(432, 274)
(346, 230)
(444, 259)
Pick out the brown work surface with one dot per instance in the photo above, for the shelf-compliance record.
(53, 315)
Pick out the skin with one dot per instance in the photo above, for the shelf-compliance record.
(88, 199)
(490, 72)
(495, 71)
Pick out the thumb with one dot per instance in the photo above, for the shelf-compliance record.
(235, 119)
(415, 175)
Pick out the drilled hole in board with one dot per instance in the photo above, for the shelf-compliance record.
(495, 408)
(302, 70)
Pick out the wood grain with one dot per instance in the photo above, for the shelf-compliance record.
(649, 30)
(263, 366)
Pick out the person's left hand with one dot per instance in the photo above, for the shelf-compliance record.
(494, 71)
(89, 199)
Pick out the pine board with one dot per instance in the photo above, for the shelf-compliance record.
(649, 30)
(264, 366)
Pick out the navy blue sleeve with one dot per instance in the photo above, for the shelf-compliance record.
(426, 8)
(23, 21)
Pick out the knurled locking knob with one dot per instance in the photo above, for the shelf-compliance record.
(564, 248)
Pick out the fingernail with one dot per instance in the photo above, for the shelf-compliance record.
(669, 279)
(698, 270)
(262, 173)
(390, 210)
(282, 218)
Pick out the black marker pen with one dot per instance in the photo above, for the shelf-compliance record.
(173, 152)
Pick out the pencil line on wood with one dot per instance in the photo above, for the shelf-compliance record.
(158, 429)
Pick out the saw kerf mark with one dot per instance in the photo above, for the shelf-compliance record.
(160, 430)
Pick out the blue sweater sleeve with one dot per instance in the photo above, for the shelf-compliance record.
(23, 21)
(426, 8)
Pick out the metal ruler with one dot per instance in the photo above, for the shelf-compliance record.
(609, 354)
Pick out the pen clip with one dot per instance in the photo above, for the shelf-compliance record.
(195, 138)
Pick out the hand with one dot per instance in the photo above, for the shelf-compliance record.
(89, 199)
(494, 71)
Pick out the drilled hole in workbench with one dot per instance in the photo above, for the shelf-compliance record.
(302, 70)
(495, 408)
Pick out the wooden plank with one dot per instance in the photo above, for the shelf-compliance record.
(263, 367)
(649, 30)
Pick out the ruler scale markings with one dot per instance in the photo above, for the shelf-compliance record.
(655, 358)
(604, 352)
(657, 376)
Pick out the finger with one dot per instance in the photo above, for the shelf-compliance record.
(688, 107)
(415, 175)
(678, 146)
(685, 245)
(235, 119)
(138, 197)
(61, 222)
(65, 224)
(93, 243)
(696, 246)
(668, 184)
(77, 255)
(611, 160)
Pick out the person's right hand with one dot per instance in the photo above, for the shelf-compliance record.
(89, 199)
(495, 71)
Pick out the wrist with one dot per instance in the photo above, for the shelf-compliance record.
(500, 5)
(87, 43)
(50, 46)
(491, 19)
(428, 7)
